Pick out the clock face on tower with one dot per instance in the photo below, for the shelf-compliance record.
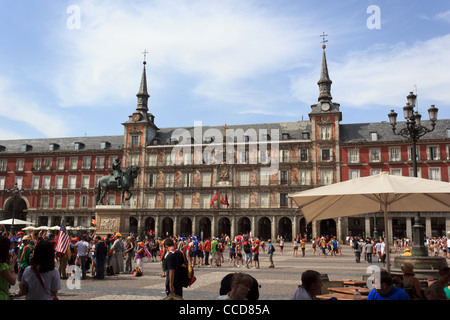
(325, 106)
(136, 117)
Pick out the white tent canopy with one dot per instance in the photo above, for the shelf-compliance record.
(383, 192)
(16, 221)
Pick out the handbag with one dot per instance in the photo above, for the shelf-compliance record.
(42, 282)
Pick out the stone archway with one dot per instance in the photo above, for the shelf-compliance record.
(133, 225)
(204, 227)
(264, 228)
(17, 207)
(186, 227)
(167, 227)
(285, 228)
(224, 227)
(244, 225)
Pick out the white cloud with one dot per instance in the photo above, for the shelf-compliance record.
(18, 107)
(219, 46)
(385, 75)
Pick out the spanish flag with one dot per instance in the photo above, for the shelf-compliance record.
(213, 200)
(224, 201)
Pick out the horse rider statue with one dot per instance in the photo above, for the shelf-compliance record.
(117, 172)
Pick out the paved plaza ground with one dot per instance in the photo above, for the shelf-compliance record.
(278, 283)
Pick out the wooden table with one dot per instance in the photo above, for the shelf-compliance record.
(339, 296)
(350, 290)
(357, 283)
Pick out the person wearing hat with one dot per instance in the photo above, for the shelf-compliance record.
(410, 282)
(407, 253)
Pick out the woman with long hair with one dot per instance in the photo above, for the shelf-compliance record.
(41, 279)
(7, 274)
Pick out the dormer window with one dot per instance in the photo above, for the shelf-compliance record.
(53, 146)
(285, 136)
(373, 136)
(105, 145)
(209, 139)
(26, 147)
(305, 135)
(2, 148)
(79, 145)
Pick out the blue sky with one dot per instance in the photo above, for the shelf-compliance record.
(72, 68)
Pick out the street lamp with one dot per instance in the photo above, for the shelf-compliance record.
(413, 132)
(15, 193)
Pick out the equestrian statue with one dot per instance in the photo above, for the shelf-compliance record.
(118, 180)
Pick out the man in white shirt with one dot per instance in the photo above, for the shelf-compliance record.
(82, 252)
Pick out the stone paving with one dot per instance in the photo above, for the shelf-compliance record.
(278, 283)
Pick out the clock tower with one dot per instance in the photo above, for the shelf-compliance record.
(325, 117)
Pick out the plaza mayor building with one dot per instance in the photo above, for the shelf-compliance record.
(215, 180)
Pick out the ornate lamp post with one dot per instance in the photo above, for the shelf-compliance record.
(15, 194)
(413, 132)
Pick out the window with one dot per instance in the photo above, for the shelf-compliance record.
(374, 155)
(244, 178)
(78, 145)
(99, 162)
(48, 163)
(35, 182)
(353, 174)
(284, 177)
(57, 202)
(85, 182)
(285, 136)
(44, 202)
(374, 172)
(284, 202)
(303, 154)
(396, 171)
(419, 172)
(284, 155)
(70, 202)
(53, 147)
(305, 177)
(410, 149)
(19, 182)
(305, 135)
(394, 154)
(2, 183)
(37, 164)
(84, 201)
(86, 163)
(60, 163)
(325, 154)
(353, 155)
(73, 163)
(59, 182)
(3, 163)
(435, 174)
(72, 182)
(326, 177)
(374, 136)
(20, 164)
(325, 133)
(152, 159)
(433, 153)
(46, 182)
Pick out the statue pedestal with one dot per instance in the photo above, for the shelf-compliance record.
(424, 267)
(112, 219)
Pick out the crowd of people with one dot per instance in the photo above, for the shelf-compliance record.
(32, 261)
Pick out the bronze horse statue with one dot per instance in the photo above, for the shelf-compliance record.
(109, 183)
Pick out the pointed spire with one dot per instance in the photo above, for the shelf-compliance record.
(324, 81)
(143, 94)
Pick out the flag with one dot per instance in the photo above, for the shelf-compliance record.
(224, 200)
(213, 200)
(147, 253)
(62, 243)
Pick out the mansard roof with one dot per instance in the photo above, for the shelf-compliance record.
(63, 145)
(355, 133)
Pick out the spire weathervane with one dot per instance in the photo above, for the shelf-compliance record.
(145, 56)
(323, 35)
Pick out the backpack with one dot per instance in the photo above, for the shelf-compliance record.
(247, 247)
(187, 272)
